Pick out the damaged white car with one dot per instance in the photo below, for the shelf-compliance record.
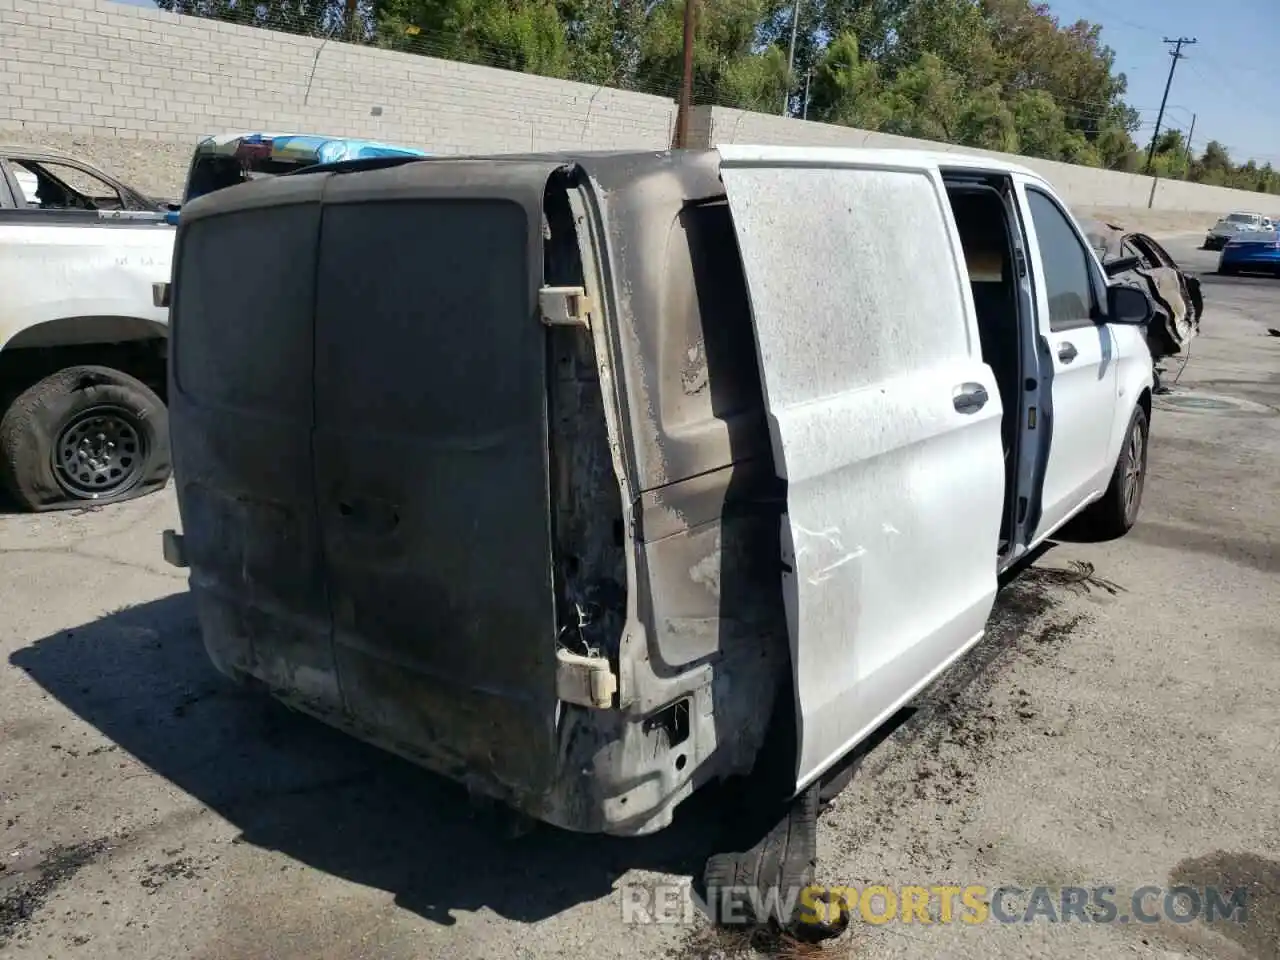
(588, 479)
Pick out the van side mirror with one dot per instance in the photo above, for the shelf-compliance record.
(1129, 305)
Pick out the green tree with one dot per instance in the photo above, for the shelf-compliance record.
(1041, 124)
(845, 89)
(924, 100)
(986, 121)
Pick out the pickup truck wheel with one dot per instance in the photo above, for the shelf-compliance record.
(1115, 514)
(82, 435)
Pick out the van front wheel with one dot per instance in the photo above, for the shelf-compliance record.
(1115, 514)
(84, 435)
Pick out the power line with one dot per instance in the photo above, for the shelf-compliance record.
(1176, 54)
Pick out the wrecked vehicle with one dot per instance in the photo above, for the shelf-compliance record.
(1138, 260)
(590, 479)
(1228, 227)
(225, 160)
(82, 345)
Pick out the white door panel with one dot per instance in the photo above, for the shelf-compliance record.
(1079, 350)
(1079, 418)
(865, 332)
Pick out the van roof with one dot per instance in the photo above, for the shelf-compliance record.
(614, 169)
(945, 159)
(798, 155)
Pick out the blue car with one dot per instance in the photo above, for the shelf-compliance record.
(1251, 253)
(229, 159)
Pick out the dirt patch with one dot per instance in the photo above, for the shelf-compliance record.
(932, 758)
(719, 943)
(20, 904)
(1220, 404)
(1153, 222)
(1259, 877)
(156, 875)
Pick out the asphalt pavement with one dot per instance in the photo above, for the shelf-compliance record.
(1117, 727)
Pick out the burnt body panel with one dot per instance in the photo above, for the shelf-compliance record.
(700, 449)
(1136, 260)
(706, 637)
(240, 400)
(442, 536)
(431, 464)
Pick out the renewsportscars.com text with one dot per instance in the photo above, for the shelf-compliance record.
(937, 904)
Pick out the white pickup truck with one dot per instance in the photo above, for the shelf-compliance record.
(82, 345)
(589, 479)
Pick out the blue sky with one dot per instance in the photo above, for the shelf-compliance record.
(1230, 79)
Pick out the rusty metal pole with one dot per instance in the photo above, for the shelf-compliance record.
(686, 80)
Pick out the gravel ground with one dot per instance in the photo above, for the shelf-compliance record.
(1117, 727)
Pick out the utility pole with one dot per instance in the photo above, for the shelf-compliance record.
(1189, 136)
(791, 55)
(686, 80)
(808, 78)
(1176, 54)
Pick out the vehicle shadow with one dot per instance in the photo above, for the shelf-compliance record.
(291, 784)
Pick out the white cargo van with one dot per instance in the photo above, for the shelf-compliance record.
(587, 479)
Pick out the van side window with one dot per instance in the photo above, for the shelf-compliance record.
(1068, 279)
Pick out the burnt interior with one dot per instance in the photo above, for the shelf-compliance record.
(586, 502)
(707, 507)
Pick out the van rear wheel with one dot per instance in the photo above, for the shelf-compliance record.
(83, 435)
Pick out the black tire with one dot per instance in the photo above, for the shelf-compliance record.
(1115, 514)
(768, 841)
(778, 866)
(84, 435)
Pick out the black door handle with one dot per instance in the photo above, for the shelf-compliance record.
(969, 397)
(1067, 352)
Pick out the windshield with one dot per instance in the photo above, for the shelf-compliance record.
(1242, 218)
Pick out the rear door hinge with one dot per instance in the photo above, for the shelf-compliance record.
(586, 681)
(1020, 259)
(565, 306)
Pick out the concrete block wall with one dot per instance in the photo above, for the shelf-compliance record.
(132, 89)
(97, 69)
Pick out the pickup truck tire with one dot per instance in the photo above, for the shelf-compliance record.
(1117, 511)
(84, 435)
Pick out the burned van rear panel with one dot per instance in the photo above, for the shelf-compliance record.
(240, 407)
(447, 573)
(708, 501)
(431, 464)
